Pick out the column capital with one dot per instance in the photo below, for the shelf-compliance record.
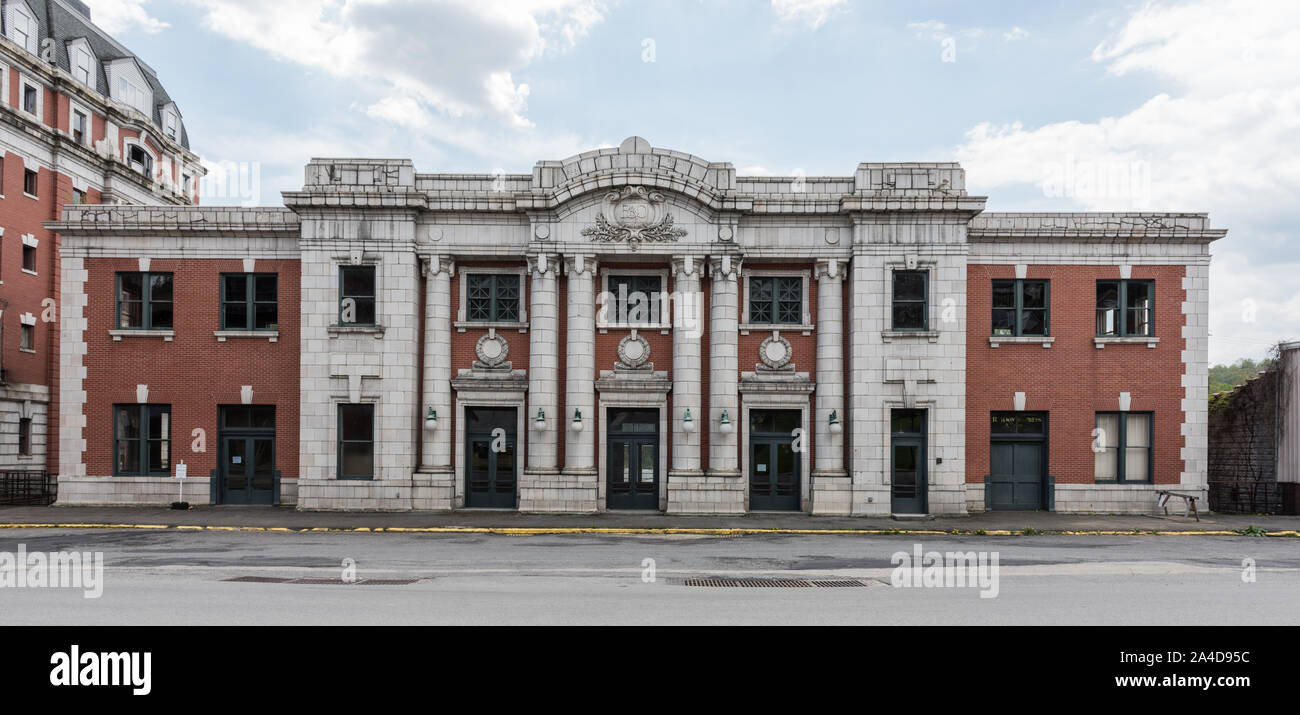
(544, 265)
(725, 267)
(688, 266)
(580, 264)
(432, 266)
(831, 269)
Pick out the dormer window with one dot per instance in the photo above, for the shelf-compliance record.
(169, 121)
(130, 93)
(81, 64)
(22, 27)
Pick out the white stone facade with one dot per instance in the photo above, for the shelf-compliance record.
(839, 369)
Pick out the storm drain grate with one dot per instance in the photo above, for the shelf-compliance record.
(770, 583)
(326, 581)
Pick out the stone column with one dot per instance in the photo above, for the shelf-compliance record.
(437, 364)
(832, 488)
(543, 364)
(580, 372)
(688, 327)
(724, 365)
(830, 365)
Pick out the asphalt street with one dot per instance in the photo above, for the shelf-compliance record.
(180, 578)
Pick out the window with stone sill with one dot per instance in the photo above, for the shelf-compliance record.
(1020, 308)
(357, 296)
(1122, 447)
(776, 300)
(142, 440)
(492, 298)
(632, 301)
(25, 437)
(31, 182)
(31, 99)
(27, 338)
(910, 297)
(249, 301)
(144, 301)
(1125, 308)
(29, 258)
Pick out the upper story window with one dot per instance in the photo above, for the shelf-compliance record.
(144, 301)
(29, 258)
(911, 304)
(249, 301)
(1125, 308)
(133, 94)
(493, 298)
(22, 26)
(81, 65)
(142, 440)
(633, 300)
(1122, 447)
(80, 127)
(31, 183)
(357, 295)
(31, 99)
(776, 300)
(1020, 307)
(140, 159)
(78, 197)
(169, 125)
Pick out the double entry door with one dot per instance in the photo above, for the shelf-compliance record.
(491, 479)
(632, 462)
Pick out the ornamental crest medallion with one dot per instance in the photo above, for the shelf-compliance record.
(633, 215)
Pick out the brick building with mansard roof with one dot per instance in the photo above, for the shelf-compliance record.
(637, 328)
(83, 120)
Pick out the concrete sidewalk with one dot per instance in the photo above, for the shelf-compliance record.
(287, 518)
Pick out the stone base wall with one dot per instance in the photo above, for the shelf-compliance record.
(1122, 498)
(130, 491)
(562, 493)
(703, 494)
(832, 495)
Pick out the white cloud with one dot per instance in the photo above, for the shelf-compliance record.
(456, 57)
(119, 16)
(809, 13)
(940, 31)
(1015, 33)
(1219, 139)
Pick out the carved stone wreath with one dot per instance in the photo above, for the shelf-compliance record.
(492, 350)
(775, 353)
(633, 352)
(634, 215)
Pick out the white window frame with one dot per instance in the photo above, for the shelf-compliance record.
(80, 48)
(29, 240)
(23, 83)
(127, 143)
(4, 83)
(928, 265)
(665, 323)
(806, 327)
(462, 324)
(171, 126)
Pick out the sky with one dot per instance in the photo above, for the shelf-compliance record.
(1050, 105)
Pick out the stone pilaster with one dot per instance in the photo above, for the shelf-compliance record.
(543, 363)
(688, 327)
(832, 487)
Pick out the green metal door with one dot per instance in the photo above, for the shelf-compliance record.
(247, 454)
(632, 460)
(1017, 462)
(490, 481)
(909, 483)
(775, 464)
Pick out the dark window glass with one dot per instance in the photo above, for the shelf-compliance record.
(634, 300)
(142, 441)
(1020, 307)
(776, 300)
(492, 298)
(249, 301)
(30, 186)
(782, 422)
(27, 338)
(357, 295)
(29, 99)
(144, 301)
(29, 258)
(911, 298)
(1125, 308)
(907, 421)
(25, 437)
(356, 441)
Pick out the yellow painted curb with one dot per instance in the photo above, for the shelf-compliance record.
(560, 531)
